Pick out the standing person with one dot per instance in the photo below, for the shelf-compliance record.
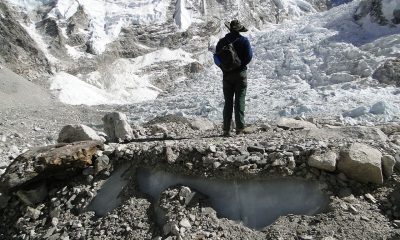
(233, 53)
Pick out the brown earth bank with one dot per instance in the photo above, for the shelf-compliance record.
(171, 178)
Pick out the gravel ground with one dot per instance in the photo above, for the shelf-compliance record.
(355, 211)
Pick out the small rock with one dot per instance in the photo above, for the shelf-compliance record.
(216, 165)
(306, 237)
(32, 213)
(55, 213)
(49, 233)
(101, 163)
(14, 151)
(54, 221)
(185, 194)
(324, 161)
(171, 227)
(364, 218)
(256, 149)
(353, 209)
(185, 223)
(344, 206)
(108, 149)
(370, 198)
(396, 223)
(170, 155)
(212, 148)
(288, 123)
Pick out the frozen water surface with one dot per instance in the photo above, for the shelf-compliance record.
(254, 203)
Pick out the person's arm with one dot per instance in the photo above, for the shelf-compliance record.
(217, 61)
(248, 52)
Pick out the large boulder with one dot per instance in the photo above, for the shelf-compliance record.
(76, 133)
(388, 163)
(116, 127)
(289, 123)
(325, 161)
(59, 161)
(356, 112)
(389, 72)
(362, 163)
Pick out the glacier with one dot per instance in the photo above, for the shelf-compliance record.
(312, 64)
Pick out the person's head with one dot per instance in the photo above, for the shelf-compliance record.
(235, 26)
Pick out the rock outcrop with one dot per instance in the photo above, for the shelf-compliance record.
(59, 161)
(18, 51)
(374, 8)
(362, 163)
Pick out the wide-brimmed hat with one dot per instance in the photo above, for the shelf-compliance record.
(235, 25)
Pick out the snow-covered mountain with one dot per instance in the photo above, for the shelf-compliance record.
(87, 42)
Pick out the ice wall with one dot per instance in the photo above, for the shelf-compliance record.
(254, 203)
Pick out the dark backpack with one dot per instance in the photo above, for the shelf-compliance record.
(229, 58)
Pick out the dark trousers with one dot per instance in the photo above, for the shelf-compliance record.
(234, 87)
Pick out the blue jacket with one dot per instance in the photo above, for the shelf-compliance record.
(242, 47)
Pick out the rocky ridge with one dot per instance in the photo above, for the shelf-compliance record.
(18, 51)
(174, 145)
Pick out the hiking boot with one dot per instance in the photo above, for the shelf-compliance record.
(239, 131)
(246, 130)
(226, 134)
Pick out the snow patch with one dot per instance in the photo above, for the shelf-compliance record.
(118, 88)
(72, 90)
(122, 82)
